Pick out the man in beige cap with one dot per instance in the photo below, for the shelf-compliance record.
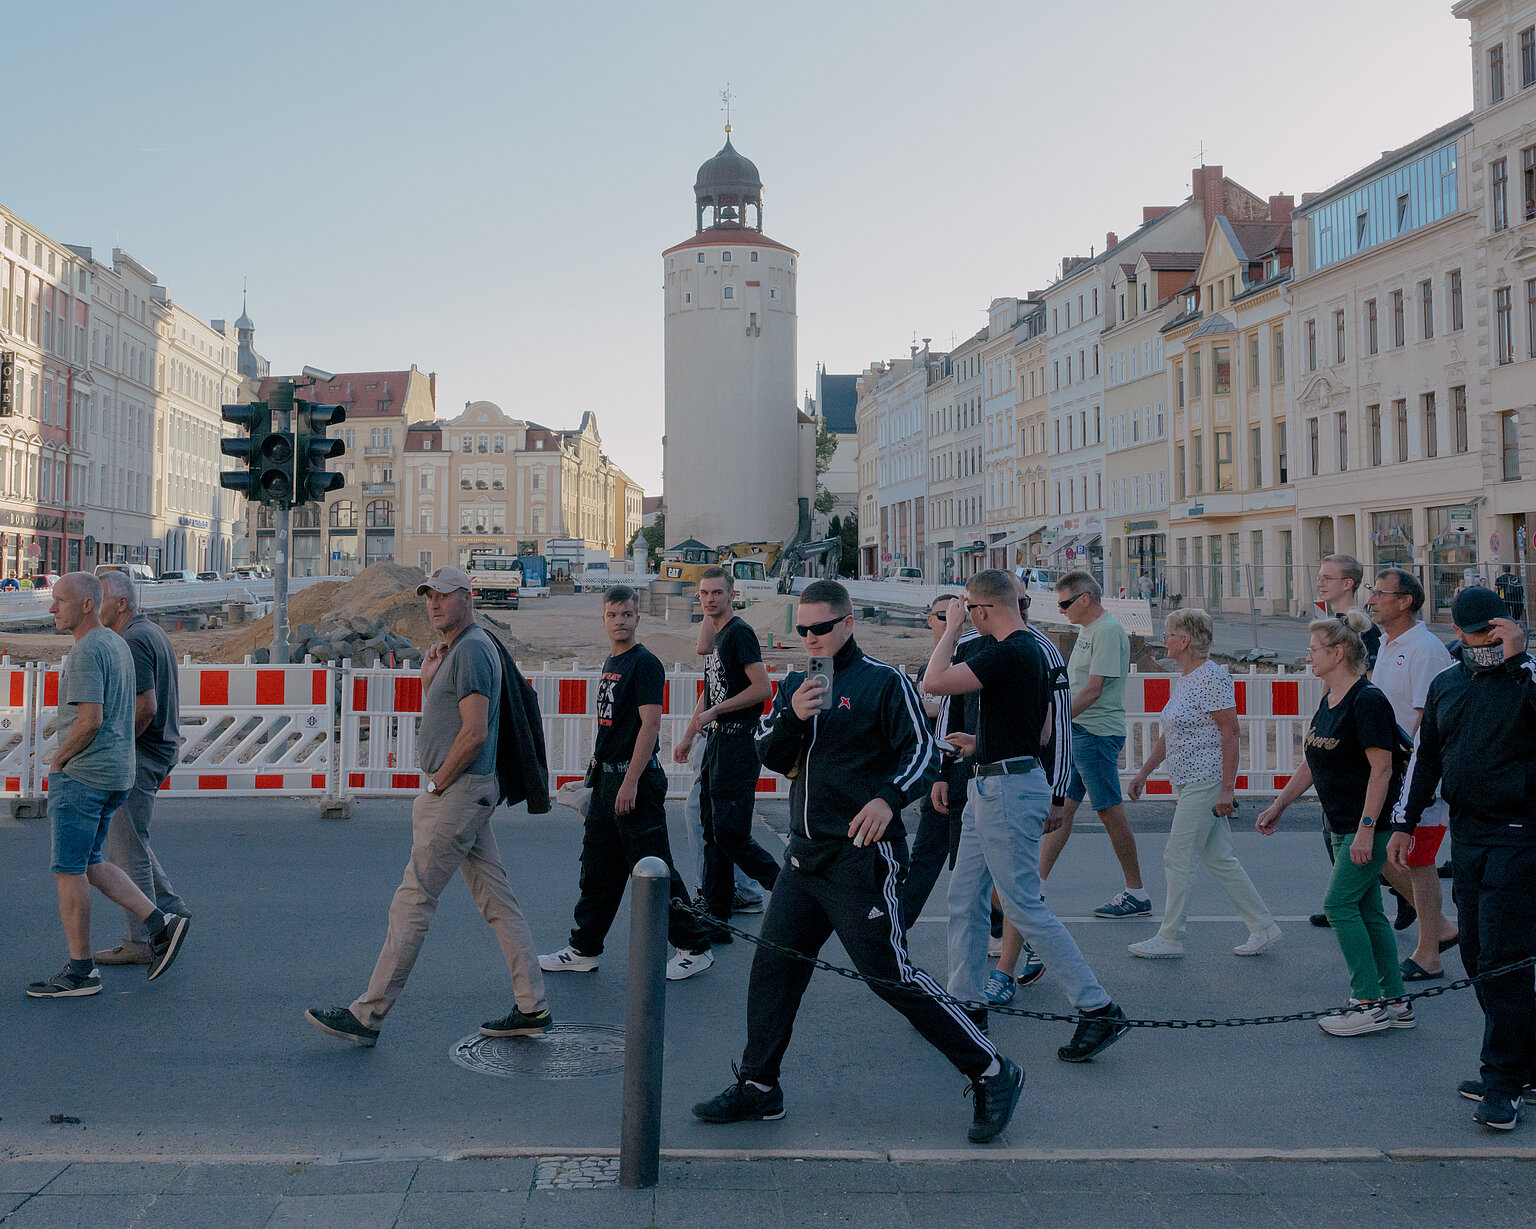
(451, 825)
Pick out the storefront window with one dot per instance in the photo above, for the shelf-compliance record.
(1392, 539)
(1452, 554)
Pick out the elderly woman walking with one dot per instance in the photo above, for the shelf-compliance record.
(1198, 741)
(1356, 755)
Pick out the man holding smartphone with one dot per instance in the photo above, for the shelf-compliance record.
(858, 747)
(736, 687)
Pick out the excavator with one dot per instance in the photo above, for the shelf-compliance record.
(687, 561)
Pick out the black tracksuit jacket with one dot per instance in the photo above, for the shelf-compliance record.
(873, 742)
(1478, 743)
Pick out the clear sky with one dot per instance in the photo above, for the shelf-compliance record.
(485, 188)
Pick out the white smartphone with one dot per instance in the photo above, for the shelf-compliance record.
(821, 668)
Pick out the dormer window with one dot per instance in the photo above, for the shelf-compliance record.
(1191, 302)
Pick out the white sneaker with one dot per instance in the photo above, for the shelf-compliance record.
(1360, 1018)
(568, 960)
(686, 964)
(1402, 1015)
(994, 946)
(1259, 941)
(1157, 948)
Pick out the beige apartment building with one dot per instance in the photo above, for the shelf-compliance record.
(488, 481)
(1031, 414)
(1002, 516)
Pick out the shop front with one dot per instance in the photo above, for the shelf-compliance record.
(1452, 556)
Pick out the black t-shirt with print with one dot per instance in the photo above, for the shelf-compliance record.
(725, 671)
(1015, 697)
(1335, 747)
(628, 681)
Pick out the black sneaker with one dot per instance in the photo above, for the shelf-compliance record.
(517, 1024)
(167, 944)
(67, 984)
(340, 1022)
(994, 1097)
(1095, 1034)
(1499, 1110)
(1472, 1090)
(742, 1102)
(1320, 919)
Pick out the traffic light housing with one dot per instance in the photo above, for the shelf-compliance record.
(313, 448)
(274, 452)
(256, 421)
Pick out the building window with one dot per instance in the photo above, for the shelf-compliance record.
(1427, 307)
(1179, 479)
(1455, 300)
(1253, 361)
(1399, 325)
(1221, 369)
(1400, 411)
(381, 514)
(752, 258)
(1282, 457)
(1256, 457)
(424, 520)
(1313, 449)
(1530, 316)
(701, 258)
(730, 292)
(1459, 415)
(1223, 460)
(1499, 176)
(1370, 326)
(1528, 57)
(1362, 225)
(1504, 325)
(1431, 426)
(1402, 212)
(1509, 435)
(343, 514)
(1197, 461)
(1343, 425)
(1196, 366)
(773, 294)
(1178, 373)
(425, 558)
(1311, 345)
(725, 258)
(1277, 366)
(467, 444)
(1528, 180)
(687, 297)
(1373, 432)
(1338, 335)
(1496, 74)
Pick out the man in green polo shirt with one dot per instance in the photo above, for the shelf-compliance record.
(1097, 669)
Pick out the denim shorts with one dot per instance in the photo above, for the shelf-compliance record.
(80, 815)
(1095, 768)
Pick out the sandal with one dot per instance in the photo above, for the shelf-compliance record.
(1414, 971)
(1447, 944)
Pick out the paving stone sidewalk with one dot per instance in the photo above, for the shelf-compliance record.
(526, 1193)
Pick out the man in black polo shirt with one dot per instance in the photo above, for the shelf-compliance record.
(627, 817)
(1010, 797)
(855, 758)
(735, 689)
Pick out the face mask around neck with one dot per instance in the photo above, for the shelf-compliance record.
(1483, 657)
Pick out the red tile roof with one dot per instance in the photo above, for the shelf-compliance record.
(352, 389)
(729, 237)
(1261, 238)
(1172, 262)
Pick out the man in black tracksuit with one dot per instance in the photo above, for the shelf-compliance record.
(855, 759)
(1477, 741)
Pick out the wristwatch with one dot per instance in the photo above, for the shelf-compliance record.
(431, 786)
(1367, 822)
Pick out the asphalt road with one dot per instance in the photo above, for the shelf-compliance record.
(216, 1056)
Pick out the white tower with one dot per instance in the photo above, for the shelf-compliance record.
(731, 467)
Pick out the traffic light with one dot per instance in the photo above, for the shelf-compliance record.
(256, 422)
(274, 452)
(7, 383)
(313, 448)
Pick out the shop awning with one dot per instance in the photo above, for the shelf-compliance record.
(1018, 537)
(1079, 541)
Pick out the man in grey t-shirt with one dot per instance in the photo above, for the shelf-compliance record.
(89, 776)
(451, 825)
(157, 742)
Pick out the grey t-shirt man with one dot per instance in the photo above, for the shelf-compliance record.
(470, 666)
(99, 670)
(154, 665)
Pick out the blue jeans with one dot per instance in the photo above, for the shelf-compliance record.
(80, 815)
(1000, 835)
(1095, 769)
(128, 847)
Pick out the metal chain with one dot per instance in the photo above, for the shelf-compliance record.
(1077, 1018)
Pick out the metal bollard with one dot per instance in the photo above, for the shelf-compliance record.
(644, 1024)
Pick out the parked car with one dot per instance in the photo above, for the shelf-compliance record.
(45, 580)
(138, 571)
(178, 576)
(909, 576)
(209, 576)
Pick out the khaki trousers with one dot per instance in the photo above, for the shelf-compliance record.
(451, 832)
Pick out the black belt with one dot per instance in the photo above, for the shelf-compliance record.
(721, 727)
(621, 766)
(1019, 766)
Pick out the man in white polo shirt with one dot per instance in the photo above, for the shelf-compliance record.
(1410, 657)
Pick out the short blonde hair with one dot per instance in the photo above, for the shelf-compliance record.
(1346, 631)
(1193, 622)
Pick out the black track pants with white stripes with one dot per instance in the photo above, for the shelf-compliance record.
(827, 887)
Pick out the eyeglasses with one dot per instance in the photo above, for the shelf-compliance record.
(937, 614)
(817, 629)
(978, 605)
(1069, 601)
(1389, 593)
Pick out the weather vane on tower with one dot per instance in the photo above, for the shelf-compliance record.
(725, 104)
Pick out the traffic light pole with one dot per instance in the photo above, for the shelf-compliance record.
(280, 588)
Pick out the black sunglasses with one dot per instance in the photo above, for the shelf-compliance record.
(937, 614)
(1069, 601)
(817, 629)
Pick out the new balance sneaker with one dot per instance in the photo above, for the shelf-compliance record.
(999, 988)
(1157, 948)
(1095, 1034)
(1499, 1110)
(685, 964)
(994, 1097)
(340, 1022)
(1472, 1090)
(1032, 969)
(166, 945)
(517, 1024)
(1359, 1019)
(742, 903)
(568, 960)
(66, 984)
(126, 952)
(1259, 941)
(742, 1102)
(1125, 905)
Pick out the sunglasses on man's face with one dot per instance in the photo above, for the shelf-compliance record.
(817, 629)
(1068, 602)
(937, 614)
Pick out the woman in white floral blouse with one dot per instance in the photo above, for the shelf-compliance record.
(1198, 740)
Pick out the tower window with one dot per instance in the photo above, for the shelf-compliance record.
(773, 294)
(725, 258)
(701, 258)
(687, 296)
(730, 292)
(754, 258)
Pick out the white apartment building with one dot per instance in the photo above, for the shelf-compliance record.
(892, 413)
(1031, 413)
(956, 448)
(1003, 488)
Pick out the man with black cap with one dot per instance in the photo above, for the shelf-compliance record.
(1477, 742)
(451, 825)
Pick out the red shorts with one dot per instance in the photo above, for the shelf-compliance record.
(1426, 844)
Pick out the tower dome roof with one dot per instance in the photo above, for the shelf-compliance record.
(728, 174)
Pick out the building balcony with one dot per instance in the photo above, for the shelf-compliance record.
(1233, 503)
(379, 450)
(378, 488)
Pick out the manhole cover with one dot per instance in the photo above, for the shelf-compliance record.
(566, 1052)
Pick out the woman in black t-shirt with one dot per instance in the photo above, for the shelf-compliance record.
(1353, 757)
